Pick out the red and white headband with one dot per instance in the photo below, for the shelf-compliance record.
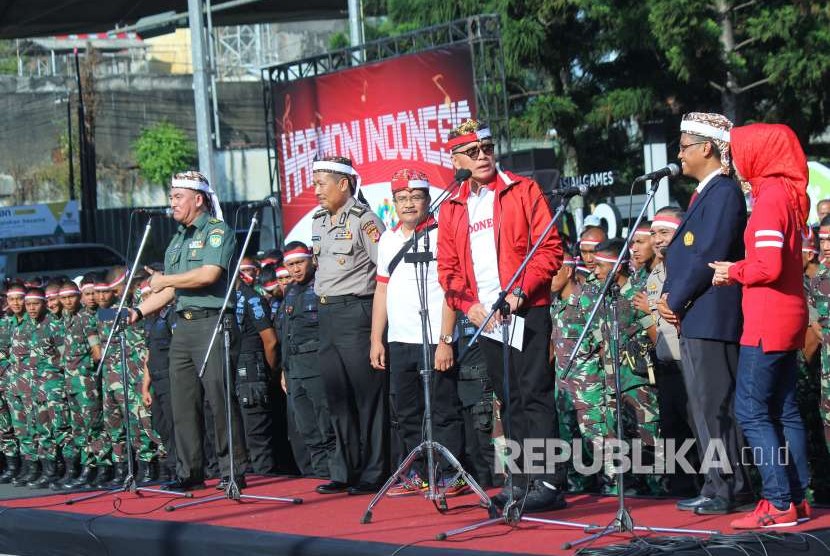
(604, 259)
(588, 243)
(102, 287)
(69, 291)
(480, 135)
(16, 292)
(296, 253)
(282, 272)
(34, 297)
(643, 230)
(665, 221)
(271, 284)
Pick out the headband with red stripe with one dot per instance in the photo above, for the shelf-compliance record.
(409, 179)
(52, 294)
(102, 287)
(665, 221)
(282, 272)
(604, 259)
(271, 284)
(269, 260)
(480, 135)
(85, 287)
(644, 229)
(118, 280)
(588, 243)
(16, 291)
(248, 266)
(297, 253)
(824, 232)
(34, 297)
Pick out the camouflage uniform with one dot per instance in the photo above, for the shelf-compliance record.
(20, 387)
(111, 446)
(82, 384)
(639, 397)
(50, 417)
(581, 397)
(813, 384)
(820, 301)
(8, 440)
(639, 278)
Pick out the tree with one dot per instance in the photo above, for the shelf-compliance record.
(161, 150)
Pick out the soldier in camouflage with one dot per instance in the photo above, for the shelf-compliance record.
(81, 353)
(42, 363)
(639, 400)
(53, 299)
(9, 419)
(820, 302)
(20, 386)
(642, 256)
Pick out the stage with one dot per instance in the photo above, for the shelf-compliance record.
(127, 524)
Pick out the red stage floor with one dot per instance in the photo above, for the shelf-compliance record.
(396, 521)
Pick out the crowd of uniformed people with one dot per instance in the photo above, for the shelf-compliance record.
(326, 342)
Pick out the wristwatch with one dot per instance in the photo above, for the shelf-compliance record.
(518, 292)
(446, 339)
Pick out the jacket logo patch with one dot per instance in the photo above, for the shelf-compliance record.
(688, 239)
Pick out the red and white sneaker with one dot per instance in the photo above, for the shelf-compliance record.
(414, 486)
(804, 511)
(766, 516)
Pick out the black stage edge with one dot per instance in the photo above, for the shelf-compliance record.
(37, 532)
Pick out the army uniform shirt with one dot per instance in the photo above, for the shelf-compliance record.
(346, 250)
(207, 241)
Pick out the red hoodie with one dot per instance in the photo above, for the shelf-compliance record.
(520, 215)
(770, 158)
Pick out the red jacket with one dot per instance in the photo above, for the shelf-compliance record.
(520, 215)
(774, 308)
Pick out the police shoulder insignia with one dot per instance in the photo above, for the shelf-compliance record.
(214, 221)
(371, 231)
(215, 240)
(320, 213)
(688, 239)
(220, 231)
(358, 210)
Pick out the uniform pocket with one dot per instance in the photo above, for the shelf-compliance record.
(343, 254)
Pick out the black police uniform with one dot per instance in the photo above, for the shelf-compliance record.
(300, 341)
(476, 394)
(159, 331)
(254, 384)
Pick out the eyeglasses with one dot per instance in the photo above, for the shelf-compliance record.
(487, 148)
(684, 147)
(404, 199)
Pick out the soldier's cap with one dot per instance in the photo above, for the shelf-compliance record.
(409, 179)
(665, 221)
(299, 252)
(468, 131)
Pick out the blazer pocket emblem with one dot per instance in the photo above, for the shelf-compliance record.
(689, 239)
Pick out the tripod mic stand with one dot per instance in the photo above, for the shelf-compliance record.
(512, 512)
(232, 489)
(118, 326)
(623, 522)
(421, 260)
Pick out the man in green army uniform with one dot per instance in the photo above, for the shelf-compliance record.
(8, 375)
(196, 267)
(111, 445)
(81, 353)
(639, 400)
(580, 395)
(819, 305)
(22, 401)
(53, 300)
(642, 256)
(49, 419)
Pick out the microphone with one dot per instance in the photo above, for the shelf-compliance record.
(269, 201)
(571, 190)
(155, 212)
(666, 172)
(462, 174)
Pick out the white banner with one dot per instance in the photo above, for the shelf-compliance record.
(40, 220)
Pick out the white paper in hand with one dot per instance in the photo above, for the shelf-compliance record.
(516, 328)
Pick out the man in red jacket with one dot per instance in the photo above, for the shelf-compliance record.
(485, 230)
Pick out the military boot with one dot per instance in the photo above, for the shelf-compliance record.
(11, 471)
(49, 474)
(86, 479)
(119, 475)
(33, 474)
(20, 479)
(71, 471)
(104, 476)
(145, 476)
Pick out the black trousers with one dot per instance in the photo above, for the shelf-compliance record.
(313, 421)
(709, 371)
(162, 417)
(255, 400)
(187, 351)
(407, 395)
(531, 410)
(357, 394)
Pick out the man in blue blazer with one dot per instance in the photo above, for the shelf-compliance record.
(709, 318)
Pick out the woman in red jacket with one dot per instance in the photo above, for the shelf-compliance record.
(770, 158)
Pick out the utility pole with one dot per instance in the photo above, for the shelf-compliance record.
(196, 20)
(356, 28)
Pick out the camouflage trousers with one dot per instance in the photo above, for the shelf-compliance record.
(813, 397)
(83, 397)
(51, 415)
(824, 407)
(21, 408)
(8, 440)
(111, 446)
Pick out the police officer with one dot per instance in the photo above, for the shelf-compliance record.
(196, 267)
(255, 369)
(300, 337)
(345, 235)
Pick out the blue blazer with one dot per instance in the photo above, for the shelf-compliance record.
(712, 230)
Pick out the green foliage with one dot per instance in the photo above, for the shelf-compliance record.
(621, 104)
(338, 41)
(161, 150)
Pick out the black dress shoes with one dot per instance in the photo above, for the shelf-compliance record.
(184, 485)
(543, 498)
(716, 506)
(363, 488)
(333, 487)
(689, 504)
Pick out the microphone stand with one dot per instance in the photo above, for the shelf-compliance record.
(118, 327)
(421, 260)
(224, 323)
(623, 522)
(512, 512)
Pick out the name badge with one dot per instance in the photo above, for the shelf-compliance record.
(196, 244)
(346, 234)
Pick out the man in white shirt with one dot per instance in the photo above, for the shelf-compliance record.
(398, 303)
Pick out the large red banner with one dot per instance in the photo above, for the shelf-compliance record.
(384, 116)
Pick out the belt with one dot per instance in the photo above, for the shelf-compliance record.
(196, 314)
(331, 299)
